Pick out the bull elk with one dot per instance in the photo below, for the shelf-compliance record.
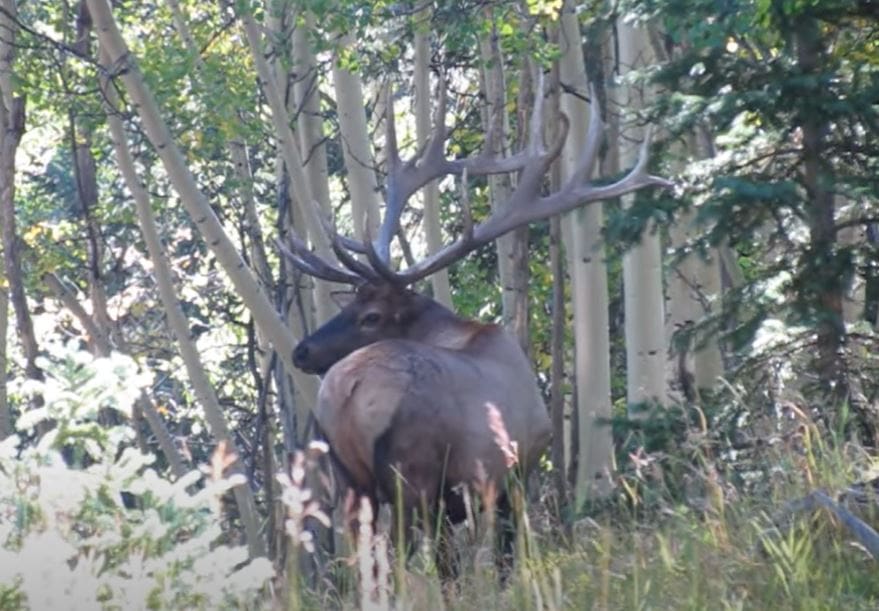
(409, 386)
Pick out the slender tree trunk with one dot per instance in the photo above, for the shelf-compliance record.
(442, 291)
(309, 207)
(8, 32)
(85, 175)
(356, 149)
(7, 102)
(694, 291)
(583, 243)
(822, 287)
(512, 248)
(99, 326)
(299, 301)
(198, 377)
(125, 67)
(305, 103)
(821, 211)
(5, 415)
(12, 125)
(298, 297)
(854, 299)
(871, 277)
(642, 264)
(560, 432)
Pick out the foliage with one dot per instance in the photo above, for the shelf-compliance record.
(741, 90)
(688, 524)
(87, 521)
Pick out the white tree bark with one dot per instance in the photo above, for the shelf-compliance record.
(512, 255)
(694, 291)
(442, 291)
(300, 184)
(310, 302)
(309, 128)
(855, 298)
(356, 148)
(642, 264)
(583, 243)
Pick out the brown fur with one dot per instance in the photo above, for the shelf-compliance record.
(416, 403)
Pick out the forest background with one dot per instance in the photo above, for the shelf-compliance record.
(707, 352)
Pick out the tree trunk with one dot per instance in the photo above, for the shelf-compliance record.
(356, 149)
(439, 281)
(85, 175)
(854, 299)
(125, 67)
(299, 298)
(694, 288)
(309, 207)
(586, 260)
(12, 125)
(309, 123)
(8, 31)
(557, 403)
(642, 264)
(179, 325)
(5, 415)
(693, 291)
(822, 288)
(512, 248)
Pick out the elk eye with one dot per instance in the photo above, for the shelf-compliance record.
(371, 320)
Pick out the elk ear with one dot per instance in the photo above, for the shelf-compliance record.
(342, 299)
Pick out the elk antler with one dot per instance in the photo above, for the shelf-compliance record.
(311, 264)
(525, 205)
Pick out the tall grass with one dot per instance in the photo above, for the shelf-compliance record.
(717, 546)
(689, 526)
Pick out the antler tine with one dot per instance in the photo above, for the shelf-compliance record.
(526, 204)
(383, 269)
(353, 245)
(345, 257)
(394, 203)
(404, 179)
(586, 163)
(309, 263)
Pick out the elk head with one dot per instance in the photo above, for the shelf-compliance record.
(382, 307)
(369, 313)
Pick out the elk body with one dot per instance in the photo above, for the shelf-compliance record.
(409, 393)
(410, 388)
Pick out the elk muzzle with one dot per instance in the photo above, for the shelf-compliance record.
(305, 358)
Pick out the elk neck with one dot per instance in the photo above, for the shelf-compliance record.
(438, 326)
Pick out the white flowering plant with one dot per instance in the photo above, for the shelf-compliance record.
(88, 522)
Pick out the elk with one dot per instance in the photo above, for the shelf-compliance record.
(409, 388)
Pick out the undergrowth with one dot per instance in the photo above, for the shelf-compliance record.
(691, 524)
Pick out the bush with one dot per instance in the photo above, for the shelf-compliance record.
(86, 522)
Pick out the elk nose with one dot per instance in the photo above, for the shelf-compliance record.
(300, 354)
